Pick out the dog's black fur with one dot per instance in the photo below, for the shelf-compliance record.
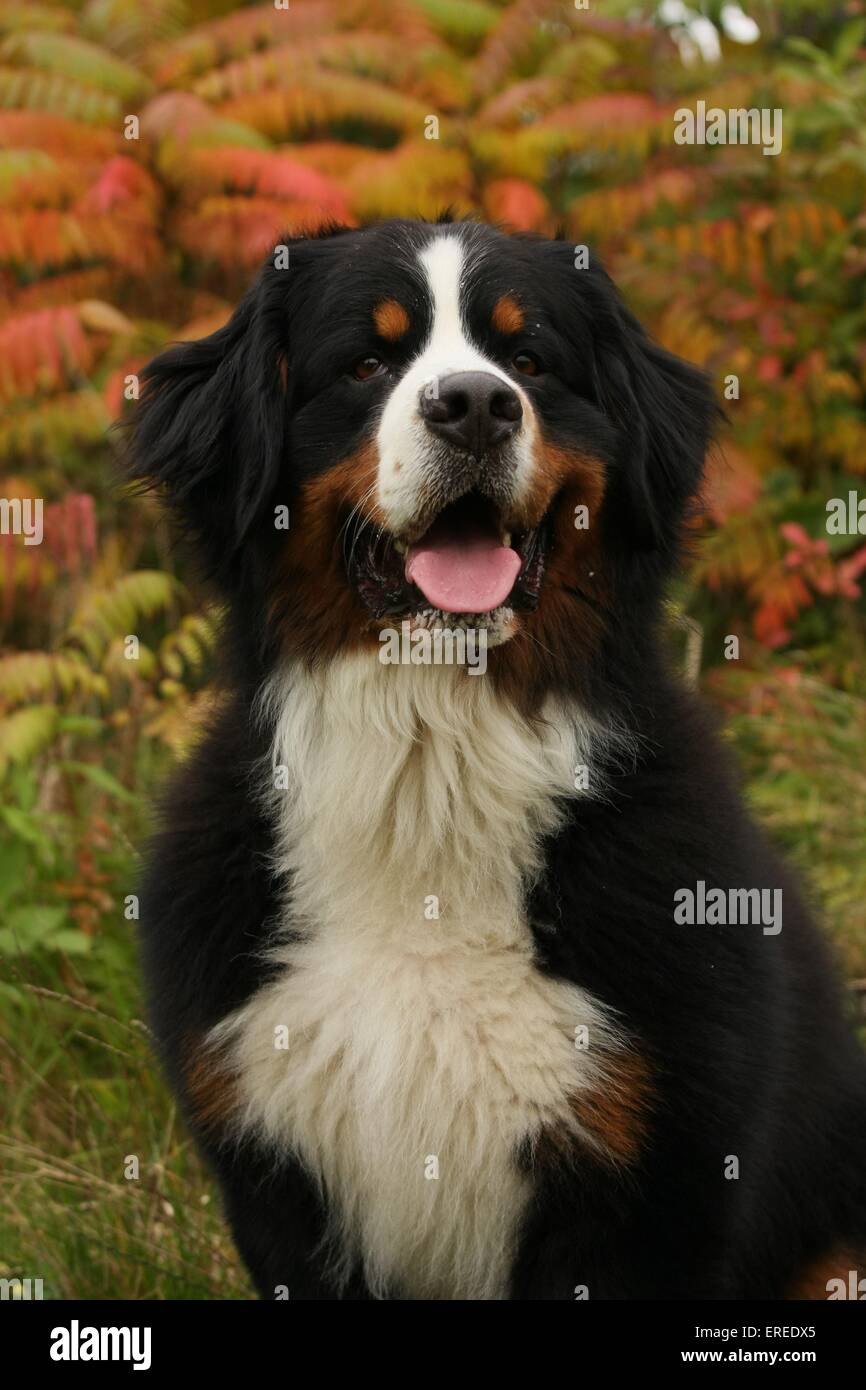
(744, 1035)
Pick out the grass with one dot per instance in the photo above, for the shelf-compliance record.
(800, 745)
(83, 1097)
(102, 1194)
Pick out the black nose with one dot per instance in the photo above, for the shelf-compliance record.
(472, 410)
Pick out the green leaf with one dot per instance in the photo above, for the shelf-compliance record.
(27, 827)
(30, 926)
(84, 724)
(848, 42)
(23, 786)
(71, 942)
(14, 860)
(25, 733)
(805, 49)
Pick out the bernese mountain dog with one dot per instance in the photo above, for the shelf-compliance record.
(472, 973)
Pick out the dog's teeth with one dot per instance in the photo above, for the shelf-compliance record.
(401, 547)
(506, 537)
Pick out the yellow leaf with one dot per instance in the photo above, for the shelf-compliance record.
(103, 318)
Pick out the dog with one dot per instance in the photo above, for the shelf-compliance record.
(475, 981)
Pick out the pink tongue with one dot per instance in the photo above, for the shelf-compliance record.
(462, 569)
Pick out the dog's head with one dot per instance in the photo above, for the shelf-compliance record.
(438, 423)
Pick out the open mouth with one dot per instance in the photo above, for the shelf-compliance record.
(465, 563)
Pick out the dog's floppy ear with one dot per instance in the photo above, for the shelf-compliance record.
(209, 430)
(667, 415)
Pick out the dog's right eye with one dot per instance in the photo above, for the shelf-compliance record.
(526, 363)
(367, 367)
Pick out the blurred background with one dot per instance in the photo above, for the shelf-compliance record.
(151, 153)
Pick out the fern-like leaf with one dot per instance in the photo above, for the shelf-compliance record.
(43, 351)
(53, 92)
(267, 174)
(326, 102)
(103, 614)
(463, 23)
(76, 59)
(28, 676)
(36, 178)
(25, 733)
(133, 30)
(416, 179)
(185, 651)
(233, 36)
(233, 231)
(381, 56)
(56, 135)
(40, 239)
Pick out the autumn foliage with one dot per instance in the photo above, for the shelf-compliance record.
(151, 153)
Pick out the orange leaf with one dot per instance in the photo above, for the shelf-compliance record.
(517, 204)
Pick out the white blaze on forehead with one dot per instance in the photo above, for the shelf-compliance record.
(407, 451)
(443, 262)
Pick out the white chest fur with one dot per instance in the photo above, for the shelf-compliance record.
(407, 1044)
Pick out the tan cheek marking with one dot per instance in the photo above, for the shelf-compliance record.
(561, 624)
(211, 1087)
(555, 468)
(812, 1283)
(347, 482)
(391, 320)
(507, 315)
(313, 605)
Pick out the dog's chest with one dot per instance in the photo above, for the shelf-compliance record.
(407, 1079)
(407, 1046)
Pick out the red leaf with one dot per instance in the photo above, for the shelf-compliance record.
(769, 368)
(517, 203)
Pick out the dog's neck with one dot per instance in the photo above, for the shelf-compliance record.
(385, 779)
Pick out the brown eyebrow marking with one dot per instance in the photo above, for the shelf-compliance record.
(507, 315)
(391, 320)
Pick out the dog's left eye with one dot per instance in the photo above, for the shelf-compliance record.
(526, 363)
(367, 367)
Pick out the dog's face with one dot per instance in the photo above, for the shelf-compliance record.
(467, 429)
